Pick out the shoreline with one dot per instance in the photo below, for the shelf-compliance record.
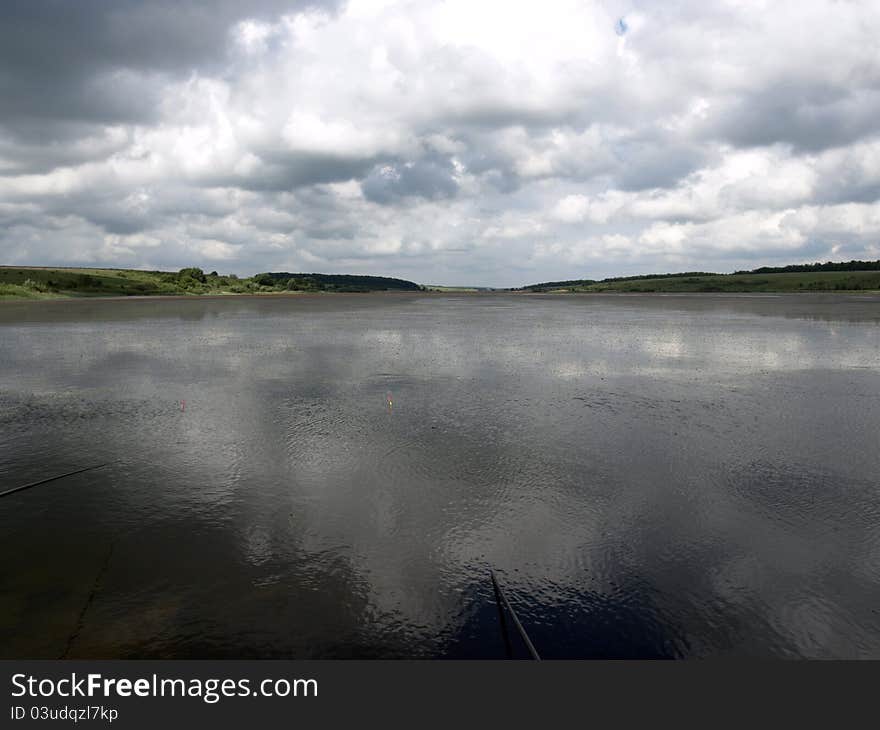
(194, 297)
(861, 293)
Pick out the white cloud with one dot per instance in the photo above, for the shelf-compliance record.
(579, 208)
(216, 250)
(493, 143)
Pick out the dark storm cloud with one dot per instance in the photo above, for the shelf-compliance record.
(44, 145)
(655, 161)
(45, 39)
(430, 178)
(102, 62)
(136, 212)
(848, 188)
(810, 116)
(282, 170)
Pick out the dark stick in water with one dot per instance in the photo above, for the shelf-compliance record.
(501, 620)
(519, 627)
(50, 479)
(80, 621)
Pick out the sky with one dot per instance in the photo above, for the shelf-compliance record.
(466, 142)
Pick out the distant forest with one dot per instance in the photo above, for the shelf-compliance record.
(333, 282)
(827, 266)
(793, 268)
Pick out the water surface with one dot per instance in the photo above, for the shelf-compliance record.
(650, 476)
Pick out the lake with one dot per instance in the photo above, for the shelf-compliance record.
(334, 476)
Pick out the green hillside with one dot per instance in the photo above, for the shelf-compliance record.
(819, 281)
(864, 276)
(49, 283)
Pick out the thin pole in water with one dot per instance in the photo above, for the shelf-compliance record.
(501, 619)
(50, 479)
(519, 627)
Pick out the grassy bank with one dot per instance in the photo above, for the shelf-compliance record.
(770, 282)
(53, 283)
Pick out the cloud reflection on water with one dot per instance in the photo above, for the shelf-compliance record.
(606, 458)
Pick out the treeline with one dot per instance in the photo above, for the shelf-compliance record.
(827, 266)
(194, 280)
(654, 276)
(560, 284)
(588, 282)
(791, 269)
(281, 280)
